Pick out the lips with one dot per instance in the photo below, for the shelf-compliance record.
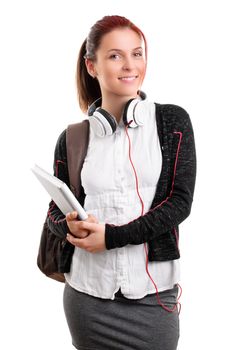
(128, 78)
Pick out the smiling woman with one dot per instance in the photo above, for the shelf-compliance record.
(104, 45)
(119, 66)
(137, 185)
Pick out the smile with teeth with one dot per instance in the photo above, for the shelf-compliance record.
(128, 78)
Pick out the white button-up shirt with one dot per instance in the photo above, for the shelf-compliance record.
(110, 187)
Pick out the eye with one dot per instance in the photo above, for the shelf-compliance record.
(114, 56)
(138, 54)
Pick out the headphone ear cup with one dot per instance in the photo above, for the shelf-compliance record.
(133, 114)
(126, 117)
(130, 118)
(103, 123)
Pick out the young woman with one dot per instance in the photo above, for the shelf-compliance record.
(138, 180)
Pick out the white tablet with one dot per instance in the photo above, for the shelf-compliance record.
(59, 192)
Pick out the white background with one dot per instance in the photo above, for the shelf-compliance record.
(190, 64)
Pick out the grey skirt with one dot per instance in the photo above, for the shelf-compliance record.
(121, 324)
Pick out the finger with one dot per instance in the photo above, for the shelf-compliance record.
(92, 218)
(72, 239)
(71, 216)
(78, 242)
(90, 226)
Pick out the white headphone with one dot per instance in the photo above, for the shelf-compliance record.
(105, 124)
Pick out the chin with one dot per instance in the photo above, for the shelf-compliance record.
(130, 92)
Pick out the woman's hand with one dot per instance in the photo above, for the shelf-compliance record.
(94, 241)
(75, 227)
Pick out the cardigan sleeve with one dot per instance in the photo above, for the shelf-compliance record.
(55, 218)
(172, 210)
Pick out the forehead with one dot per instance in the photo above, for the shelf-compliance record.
(122, 39)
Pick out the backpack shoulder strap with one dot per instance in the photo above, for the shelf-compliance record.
(77, 138)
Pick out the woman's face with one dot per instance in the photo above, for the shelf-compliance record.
(120, 63)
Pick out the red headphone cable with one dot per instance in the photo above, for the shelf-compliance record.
(177, 306)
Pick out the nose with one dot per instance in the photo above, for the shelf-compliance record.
(128, 64)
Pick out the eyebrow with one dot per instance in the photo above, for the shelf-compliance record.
(119, 50)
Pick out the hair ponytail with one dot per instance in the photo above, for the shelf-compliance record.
(88, 87)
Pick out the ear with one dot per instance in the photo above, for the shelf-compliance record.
(90, 67)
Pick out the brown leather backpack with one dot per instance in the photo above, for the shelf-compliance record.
(50, 247)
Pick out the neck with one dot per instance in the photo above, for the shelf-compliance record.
(115, 105)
